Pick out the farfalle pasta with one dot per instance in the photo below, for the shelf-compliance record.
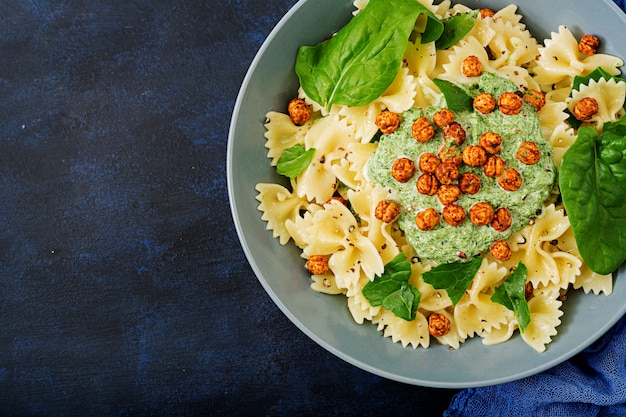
(331, 208)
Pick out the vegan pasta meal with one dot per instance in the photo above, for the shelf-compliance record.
(448, 174)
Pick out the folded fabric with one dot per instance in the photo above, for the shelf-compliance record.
(591, 384)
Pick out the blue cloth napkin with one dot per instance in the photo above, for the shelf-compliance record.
(592, 383)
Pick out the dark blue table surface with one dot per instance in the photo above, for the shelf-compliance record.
(124, 288)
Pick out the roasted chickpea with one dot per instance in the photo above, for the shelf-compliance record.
(447, 173)
(474, 156)
(403, 169)
(448, 194)
(443, 117)
(502, 219)
(510, 180)
(299, 111)
(339, 199)
(386, 211)
(528, 153)
(427, 219)
(485, 13)
(429, 162)
(588, 44)
(490, 142)
(422, 131)
(438, 325)
(501, 250)
(510, 103)
(472, 67)
(451, 155)
(528, 290)
(427, 184)
(481, 214)
(454, 133)
(493, 167)
(469, 183)
(317, 264)
(387, 121)
(586, 108)
(484, 103)
(535, 98)
(453, 214)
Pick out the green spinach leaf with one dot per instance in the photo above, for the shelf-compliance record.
(393, 291)
(593, 186)
(455, 29)
(454, 277)
(512, 294)
(456, 98)
(293, 161)
(356, 66)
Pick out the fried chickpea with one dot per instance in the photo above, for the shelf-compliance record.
(528, 153)
(485, 13)
(502, 219)
(586, 108)
(429, 162)
(339, 199)
(317, 264)
(403, 169)
(472, 66)
(422, 131)
(453, 214)
(451, 155)
(588, 44)
(387, 121)
(474, 156)
(528, 290)
(299, 111)
(443, 117)
(484, 103)
(481, 214)
(448, 194)
(427, 219)
(535, 98)
(447, 173)
(510, 103)
(510, 180)
(386, 211)
(490, 142)
(493, 167)
(438, 325)
(454, 133)
(427, 184)
(501, 250)
(469, 183)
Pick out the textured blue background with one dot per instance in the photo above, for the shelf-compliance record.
(123, 287)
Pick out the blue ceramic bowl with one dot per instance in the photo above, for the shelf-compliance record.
(269, 84)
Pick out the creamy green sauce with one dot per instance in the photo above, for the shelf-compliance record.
(447, 243)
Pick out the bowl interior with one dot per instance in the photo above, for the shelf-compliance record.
(269, 85)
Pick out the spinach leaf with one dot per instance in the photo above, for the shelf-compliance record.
(456, 98)
(356, 66)
(512, 294)
(453, 277)
(593, 186)
(393, 291)
(293, 161)
(595, 75)
(455, 29)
